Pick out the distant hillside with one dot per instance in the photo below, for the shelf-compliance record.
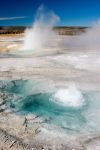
(70, 30)
(12, 30)
(62, 30)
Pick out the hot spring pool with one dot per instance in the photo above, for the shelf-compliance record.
(70, 109)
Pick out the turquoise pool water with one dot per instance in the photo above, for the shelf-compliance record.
(69, 116)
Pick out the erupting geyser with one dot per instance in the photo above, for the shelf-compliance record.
(41, 34)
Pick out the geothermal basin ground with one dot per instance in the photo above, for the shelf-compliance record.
(49, 98)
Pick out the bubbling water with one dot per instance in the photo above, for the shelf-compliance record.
(71, 97)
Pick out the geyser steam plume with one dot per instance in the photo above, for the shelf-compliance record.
(41, 34)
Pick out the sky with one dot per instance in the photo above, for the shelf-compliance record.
(71, 12)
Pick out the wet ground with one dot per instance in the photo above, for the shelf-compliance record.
(45, 80)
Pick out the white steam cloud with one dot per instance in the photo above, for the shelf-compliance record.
(41, 35)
